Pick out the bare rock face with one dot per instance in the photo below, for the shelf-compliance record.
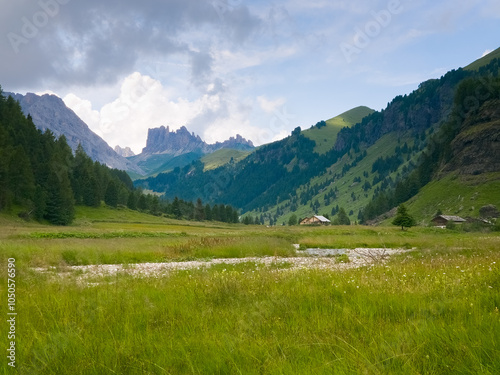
(163, 141)
(476, 149)
(125, 152)
(50, 112)
(401, 117)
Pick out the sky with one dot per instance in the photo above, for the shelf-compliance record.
(226, 67)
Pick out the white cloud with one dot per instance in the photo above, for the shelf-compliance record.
(487, 52)
(268, 105)
(48, 92)
(279, 136)
(145, 103)
(83, 108)
(229, 61)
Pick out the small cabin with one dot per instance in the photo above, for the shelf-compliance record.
(442, 220)
(316, 219)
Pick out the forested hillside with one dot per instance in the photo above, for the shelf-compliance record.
(40, 176)
(273, 171)
(468, 144)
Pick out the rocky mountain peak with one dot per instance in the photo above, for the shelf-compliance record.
(237, 142)
(163, 141)
(125, 152)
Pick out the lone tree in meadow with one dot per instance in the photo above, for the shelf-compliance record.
(403, 218)
(342, 218)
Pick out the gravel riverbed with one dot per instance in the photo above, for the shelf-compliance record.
(325, 259)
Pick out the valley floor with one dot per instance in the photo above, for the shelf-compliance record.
(235, 299)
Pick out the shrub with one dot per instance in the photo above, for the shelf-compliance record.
(496, 227)
(342, 258)
(451, 225)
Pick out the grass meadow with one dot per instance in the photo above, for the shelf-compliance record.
(431, 310)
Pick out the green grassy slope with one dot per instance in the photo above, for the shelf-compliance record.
(223, 156)
(163, 163)
(484, 60)
(350, 195)
(456, 195)
(326, 136)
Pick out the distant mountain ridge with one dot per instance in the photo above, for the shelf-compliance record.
(163, 141)
(166, 150)
(125, 152)
(50, 112)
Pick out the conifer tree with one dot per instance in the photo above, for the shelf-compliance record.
(342, 217)
(208, 212)
(111, 196)
(59, 205)
(142, 204)
(176, 208)
(132, 201)
(222, 213)
(154, 207)
(215, 213)
(21, 180)
(91, 192)
(199, 213)
(60, 208)
(236, 218)
(403, 218)
(40, 201)
(229, 214)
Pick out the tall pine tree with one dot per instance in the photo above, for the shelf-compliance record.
(111, 196)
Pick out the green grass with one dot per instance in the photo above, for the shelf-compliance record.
(456, 195)
(152, 165)
(87, 215)
(432, 310)
(71, 251)
(223, 156)
(326, 136)
(484, 60)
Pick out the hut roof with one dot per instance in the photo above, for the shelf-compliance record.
(322, 219)
(456, 219)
